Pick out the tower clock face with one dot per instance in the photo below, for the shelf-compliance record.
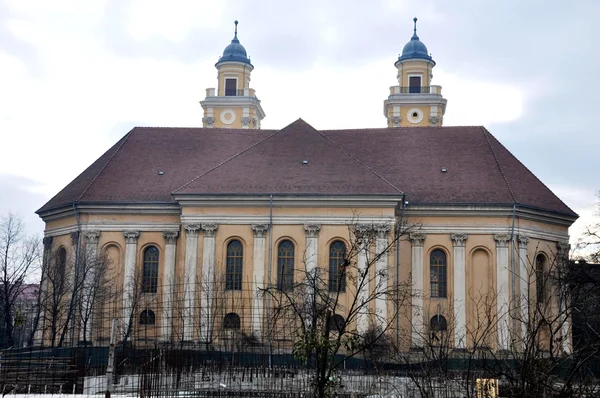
(227, 116)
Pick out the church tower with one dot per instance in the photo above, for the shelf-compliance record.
(233, 104)
(414, 102)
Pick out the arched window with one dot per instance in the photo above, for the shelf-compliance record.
(150, 270)
(540, 278)
(233, 270)
(285, 265)
(438, 326)
(438, 323)
(147, 318)
(337, 266)
(336, 323)
(232, 321)
(437, 273)
(61, 264)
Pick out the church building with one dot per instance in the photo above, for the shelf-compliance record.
(180, 209)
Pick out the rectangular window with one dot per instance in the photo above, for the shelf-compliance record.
(414, 84)
(230, 87)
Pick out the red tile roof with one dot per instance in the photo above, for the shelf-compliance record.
(386, 161)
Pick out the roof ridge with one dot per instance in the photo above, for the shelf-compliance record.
(357, 160)
(485, 134)
(227, 160)
(402, 128)
(124, 140)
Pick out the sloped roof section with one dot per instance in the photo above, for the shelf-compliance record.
(386, 161)
(296, 160)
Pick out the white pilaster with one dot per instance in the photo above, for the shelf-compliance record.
(418, 331)
(129, 282)
(460, 290)
(502, 290)
(312, 247)
(47, 255)
(566, 333)
(190, 280)
(208, 283)
(524, 281)
(381, 274)
(260, 231)
(89, 280)
(167, 284)
(362, 316)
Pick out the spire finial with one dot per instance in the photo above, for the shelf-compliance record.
(415, 20)
(236, 23)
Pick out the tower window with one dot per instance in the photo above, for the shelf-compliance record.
(231, 87)
(414, 84)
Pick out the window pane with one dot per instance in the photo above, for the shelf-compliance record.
(337, 269)
(437, 274)
(230, 87)
(285, 265)
(414, 84)
(233, 271)
(150, 270)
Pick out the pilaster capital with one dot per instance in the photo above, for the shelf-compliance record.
(382, 230)
(170, 236)
(92, 237)
(417, 238)
(523, 240)
(131, 236)
(192, 229)
(47, 241)
(208, 120)
(74, 237)
(502, 240)
(458, 240)
(563, 248)
(260, 230)
(210, 229)
(312, 230)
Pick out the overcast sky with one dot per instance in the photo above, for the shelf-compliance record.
(75, 76)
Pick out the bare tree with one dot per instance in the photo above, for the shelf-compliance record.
(20, 255)
(589, 243)
(325, 325)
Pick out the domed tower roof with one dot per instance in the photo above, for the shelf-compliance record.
(415, 49)
(234, 52)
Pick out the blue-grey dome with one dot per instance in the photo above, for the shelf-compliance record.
(415, 49)
(234, 51)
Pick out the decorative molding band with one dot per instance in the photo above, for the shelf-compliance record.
(459, 239)
(292, 220)
(210, 229)
(523, 240)
(170, 236)
(92, 237)
(502, 240)
(417, 238)
(488, 230)
(260, 230)
(312, 230)
(192, 229)
(131, 237)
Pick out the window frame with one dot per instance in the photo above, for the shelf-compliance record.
(337, 269)
(439, 269)
(285, 265)
(150, 270)
(147, 318)
(234, 265)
